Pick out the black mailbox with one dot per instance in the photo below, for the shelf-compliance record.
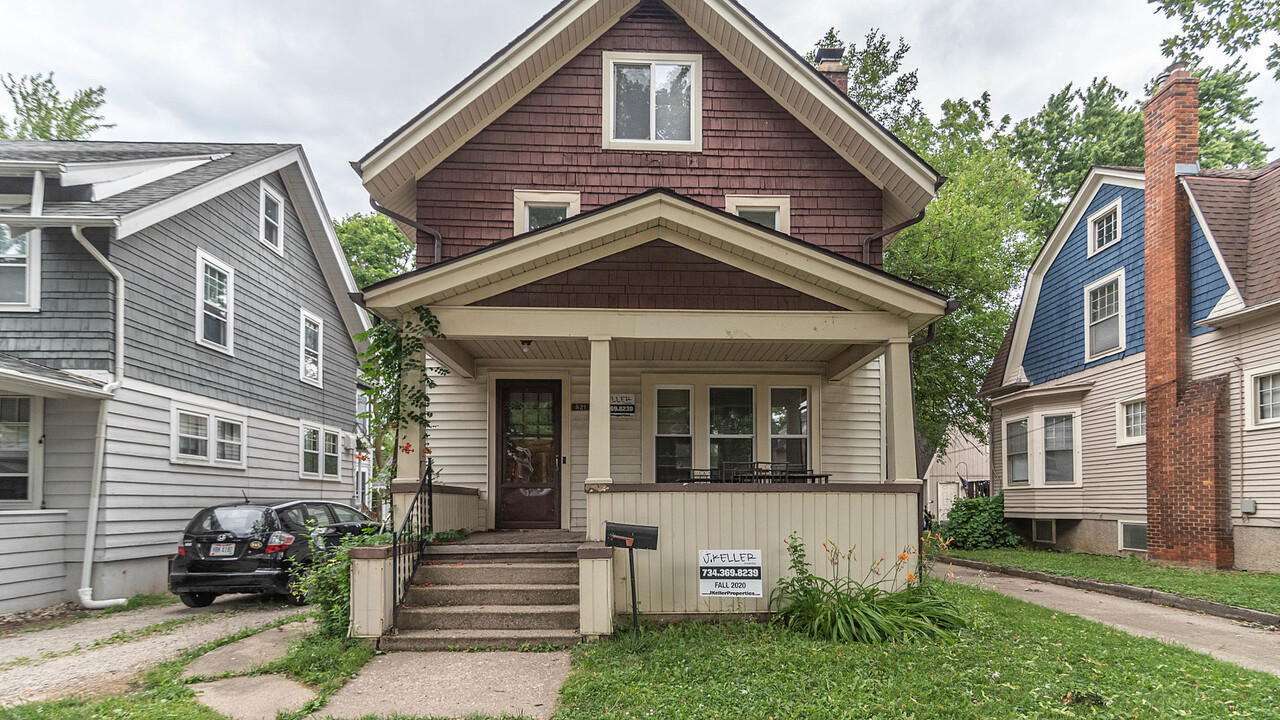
(637, 537)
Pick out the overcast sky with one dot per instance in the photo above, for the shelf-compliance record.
(338, 76)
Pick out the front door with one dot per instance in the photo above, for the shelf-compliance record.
(529, 456)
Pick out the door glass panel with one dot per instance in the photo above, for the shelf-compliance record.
(529, 441)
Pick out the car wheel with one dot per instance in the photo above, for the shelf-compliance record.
(292, 596)
(197, 600)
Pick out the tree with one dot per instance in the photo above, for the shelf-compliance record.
(41, 113)
(1097, 125)
(877, 81)
(374, 246)
(1235, 26)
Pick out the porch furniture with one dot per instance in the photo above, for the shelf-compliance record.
(756, 473)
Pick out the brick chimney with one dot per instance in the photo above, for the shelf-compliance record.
(829, 63)
(1188, 491)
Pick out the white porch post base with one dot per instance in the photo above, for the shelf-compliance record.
(599, 443)
(900, 423)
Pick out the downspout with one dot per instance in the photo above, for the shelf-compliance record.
(411, 223)
(866, 244)
(100, 437)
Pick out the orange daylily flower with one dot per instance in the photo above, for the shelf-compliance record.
(911, 577)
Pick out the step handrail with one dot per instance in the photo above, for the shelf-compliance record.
(408, 540)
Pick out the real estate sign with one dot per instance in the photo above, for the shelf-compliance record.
(730, 573)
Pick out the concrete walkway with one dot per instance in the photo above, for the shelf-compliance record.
(1223, 639)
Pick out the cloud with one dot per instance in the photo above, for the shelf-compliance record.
(338, 77)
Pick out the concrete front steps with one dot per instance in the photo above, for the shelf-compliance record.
(492, 597)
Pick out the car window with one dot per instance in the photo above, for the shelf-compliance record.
(318, 515)
(238, 519)
(347, 515)
(293, 518)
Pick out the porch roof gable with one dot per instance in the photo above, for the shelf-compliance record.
(653, 215)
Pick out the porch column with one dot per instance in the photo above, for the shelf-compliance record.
(900, 424)
(409, 463)
(598, 440)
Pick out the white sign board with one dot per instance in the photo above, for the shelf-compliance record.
(622, 406)
(730, 573)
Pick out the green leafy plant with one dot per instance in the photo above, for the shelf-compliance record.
(326, 581)
(979, 524)
(844, 609)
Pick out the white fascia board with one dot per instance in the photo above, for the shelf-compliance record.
(45, 387)
(1035, 277)
(27, 168)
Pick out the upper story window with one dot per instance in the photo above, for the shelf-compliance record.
(1104, 316)
(1262, 388)
(1131, 422)
(203, 437)
(311, 348)
(652, 101)
(215, 297)
(537, 209)
(771, 211)
(1104, 227)
(270, 229)
(19, 273)
(20, 435)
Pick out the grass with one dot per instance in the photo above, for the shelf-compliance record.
(137, 602)
(1260, 591)
(1017, 661)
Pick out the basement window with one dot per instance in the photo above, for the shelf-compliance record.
(1044, 531)
(652, 102)
(1133, 536)
(1104, 316)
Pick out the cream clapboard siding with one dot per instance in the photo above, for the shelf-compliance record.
(147, 499)
(871, 525)
(1254, 454)
(33, 570)
(850, 427)
(1113, 476)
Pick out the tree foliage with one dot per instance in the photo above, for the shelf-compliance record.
(1235, 26)
(877, 80)
(41, 113)
(374, 246)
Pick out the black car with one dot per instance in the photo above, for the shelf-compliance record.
(256, 548)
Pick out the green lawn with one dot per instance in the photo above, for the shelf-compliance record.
(1260, 591)
(1017, 661)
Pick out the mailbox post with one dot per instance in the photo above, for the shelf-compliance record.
(631, 537)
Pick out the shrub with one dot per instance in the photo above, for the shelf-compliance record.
(979, 524)
(326, 583)
(847, 610)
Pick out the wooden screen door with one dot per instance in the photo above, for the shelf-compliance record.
(529, 457)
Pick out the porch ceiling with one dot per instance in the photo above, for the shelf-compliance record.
(658, 351)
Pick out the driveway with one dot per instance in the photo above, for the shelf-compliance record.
(100, 655)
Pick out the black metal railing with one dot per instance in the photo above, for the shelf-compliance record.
(746, 472)
(409, 539)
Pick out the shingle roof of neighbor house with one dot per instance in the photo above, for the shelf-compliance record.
(35, 370)
(1242, 209)
(229, 157)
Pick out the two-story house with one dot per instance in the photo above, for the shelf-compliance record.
(1133, 401)
(651, 234)
(175, 331)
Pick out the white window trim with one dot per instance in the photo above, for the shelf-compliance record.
(303, 317)
(35, 460)
(1093, 235)
(781, 203)
(1089, 355)
(266, 190)
(1120, 536)
(32, 303)
(1253, 408)
(1053, 532)
(322, 430)
(202, 259)
(1035, 447)
(700, 395)
(1005, 422)
(524, 198)
(211, 439)
(1121, 438)
(609, 59)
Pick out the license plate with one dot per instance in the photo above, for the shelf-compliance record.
(222, 550)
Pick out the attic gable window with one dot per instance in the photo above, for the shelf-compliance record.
(771, 211)
(537, 209)
(269, 231)
(1104, 227)
(652, 102)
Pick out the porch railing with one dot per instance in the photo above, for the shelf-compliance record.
(409, 539)
(745, 472)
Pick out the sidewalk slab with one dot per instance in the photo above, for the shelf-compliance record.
(253, 698)
(453, 685)
(253, 651)
(1223, 639)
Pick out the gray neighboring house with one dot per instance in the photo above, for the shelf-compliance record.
(219, 362)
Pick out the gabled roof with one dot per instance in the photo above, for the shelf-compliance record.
(223, 167)
(46, 379)
(658, 214)
(390, 170)
(1242, 210)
